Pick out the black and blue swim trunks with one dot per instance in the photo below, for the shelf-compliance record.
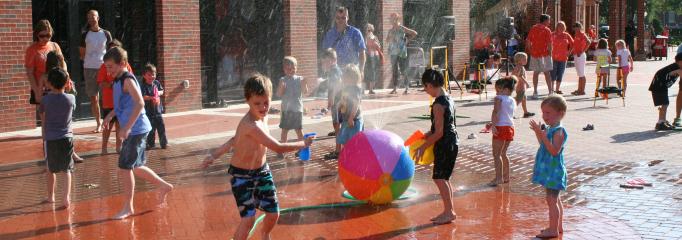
(253, 189)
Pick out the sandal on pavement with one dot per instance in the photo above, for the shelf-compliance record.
(588, 127)
(331, 155)
(331, 134)
(528, 114)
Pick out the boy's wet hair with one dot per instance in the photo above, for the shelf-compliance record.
(497, 56)
(351, 72)
(578, 25)
(555, 101)
(329, 53)
(116, 54)
(678, 57)
(603, 44)
(57, 77)
(507, 82)
(433, 77)
(520, 55)
(115, 43)
(290, 60)
(544, 17)
(54, 59)
(149, 68)
(257, 85)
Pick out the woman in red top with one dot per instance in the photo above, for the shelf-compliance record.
(36, 56)
(562, 45)
(580, 45)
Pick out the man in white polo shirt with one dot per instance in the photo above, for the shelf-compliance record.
(93, 46)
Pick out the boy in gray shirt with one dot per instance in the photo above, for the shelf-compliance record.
(291, 89)
(56, 108)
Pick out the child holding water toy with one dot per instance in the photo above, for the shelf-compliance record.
(443, 135)
(549, 170)
(252, 184)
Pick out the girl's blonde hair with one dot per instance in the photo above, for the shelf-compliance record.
(351, 73)
(520, 55)
(291, 60)
(620, 41)
(557, 102)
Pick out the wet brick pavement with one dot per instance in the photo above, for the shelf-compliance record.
(621, 147)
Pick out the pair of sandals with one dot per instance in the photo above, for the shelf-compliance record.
(396, 92)
(589, 127)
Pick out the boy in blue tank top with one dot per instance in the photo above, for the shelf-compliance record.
(129, 109)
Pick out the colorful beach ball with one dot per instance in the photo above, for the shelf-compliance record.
(376, 166)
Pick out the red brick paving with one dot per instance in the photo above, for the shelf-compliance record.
(619, 148)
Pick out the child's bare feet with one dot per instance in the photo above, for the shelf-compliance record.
(123, 214)
(495, 182)
(49, 199)
(66, 203)
(163, 192)
(437, 216)
(547, 234)
(561, 230)
(445, 218)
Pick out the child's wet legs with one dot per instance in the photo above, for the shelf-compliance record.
(128, 179)
(50, 186)
(445, 190)
(497, 152)
(269, 223)
(244, 227)
(505, 162)
(66, 198)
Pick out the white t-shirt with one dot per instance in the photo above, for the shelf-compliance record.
(512, 41)
(505, 115)
(624, 55)
(95, 48)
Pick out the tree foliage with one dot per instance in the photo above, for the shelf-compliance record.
(656, 8)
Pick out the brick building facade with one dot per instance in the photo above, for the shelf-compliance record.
(178, 49)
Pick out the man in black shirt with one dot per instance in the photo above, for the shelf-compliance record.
(664, 79)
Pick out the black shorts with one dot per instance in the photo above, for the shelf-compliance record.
(106, 111)
(660, 97)
(32, 99)
(59, 154)
(445, 153)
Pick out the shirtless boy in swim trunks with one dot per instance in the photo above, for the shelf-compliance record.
(252, 183)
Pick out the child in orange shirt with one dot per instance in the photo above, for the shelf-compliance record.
(105, 80)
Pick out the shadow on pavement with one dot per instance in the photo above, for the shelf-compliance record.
(639, 136)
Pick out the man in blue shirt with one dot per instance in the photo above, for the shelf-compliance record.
(346, 40)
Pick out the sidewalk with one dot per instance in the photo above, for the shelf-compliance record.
(621, 147)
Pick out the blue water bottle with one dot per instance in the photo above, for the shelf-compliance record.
(304, 153)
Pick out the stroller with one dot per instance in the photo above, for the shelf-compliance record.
(608, 90)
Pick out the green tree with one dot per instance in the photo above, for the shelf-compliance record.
(656, 8)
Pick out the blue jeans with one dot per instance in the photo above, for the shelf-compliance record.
(558, 69)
